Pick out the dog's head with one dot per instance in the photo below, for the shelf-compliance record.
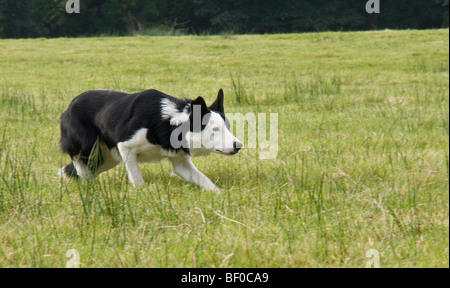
(210, 129)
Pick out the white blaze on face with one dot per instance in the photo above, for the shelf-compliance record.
(217, 136)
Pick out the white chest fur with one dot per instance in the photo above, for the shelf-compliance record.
(144, 150)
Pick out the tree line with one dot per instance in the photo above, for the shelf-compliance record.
(48, 18)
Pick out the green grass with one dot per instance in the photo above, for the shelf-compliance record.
(363, 153)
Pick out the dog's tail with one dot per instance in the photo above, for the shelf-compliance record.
(68, 172)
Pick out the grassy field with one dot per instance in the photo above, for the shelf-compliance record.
(363, 153)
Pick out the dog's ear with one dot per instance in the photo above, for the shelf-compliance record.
(200, 102)
(218, 104)
(197, 119)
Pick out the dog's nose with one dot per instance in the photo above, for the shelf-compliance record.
(237, 146)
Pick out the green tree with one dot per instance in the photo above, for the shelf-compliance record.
(15, 19)
(48, 18)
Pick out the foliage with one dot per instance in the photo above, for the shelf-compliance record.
(48, 18)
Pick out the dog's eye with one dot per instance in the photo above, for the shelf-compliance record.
(216, 129)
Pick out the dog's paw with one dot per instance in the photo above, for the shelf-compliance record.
(215, 190)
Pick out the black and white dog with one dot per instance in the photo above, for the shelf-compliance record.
(103, 128)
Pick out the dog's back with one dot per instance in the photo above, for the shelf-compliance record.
(79, 131)
(112, 117)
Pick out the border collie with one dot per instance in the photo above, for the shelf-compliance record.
(103, 128)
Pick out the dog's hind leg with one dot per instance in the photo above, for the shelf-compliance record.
(108, 161)
(98, 163)
(82, 169)
(80, 140)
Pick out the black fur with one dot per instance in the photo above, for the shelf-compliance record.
(113, 117)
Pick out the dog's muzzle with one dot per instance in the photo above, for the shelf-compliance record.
(237, 147)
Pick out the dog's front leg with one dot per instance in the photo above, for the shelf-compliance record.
(184, 168)
(129, 157)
